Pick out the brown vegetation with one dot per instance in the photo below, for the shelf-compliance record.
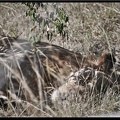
(93, 28)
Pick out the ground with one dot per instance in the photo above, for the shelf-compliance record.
(93, 28)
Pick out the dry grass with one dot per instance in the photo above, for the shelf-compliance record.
(93, 28)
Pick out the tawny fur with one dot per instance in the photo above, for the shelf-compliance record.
(85, 81)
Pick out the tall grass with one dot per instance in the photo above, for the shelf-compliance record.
(93, 28)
